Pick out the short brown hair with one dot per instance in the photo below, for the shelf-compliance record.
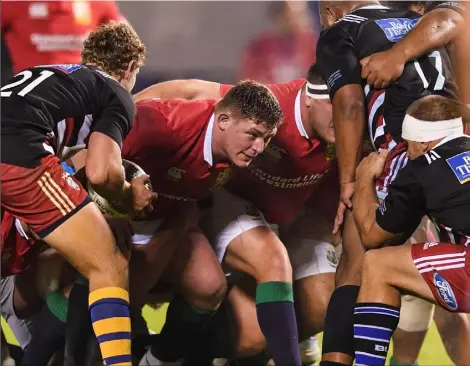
(254, 101)
(435, 108)
(112, 46)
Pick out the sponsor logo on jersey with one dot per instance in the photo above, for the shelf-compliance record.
(396, 28)
(222, 178)
(282, 182)
(68, 68)
(460, 165)
(175, 173)
(70, 181)
(430, 244)
(332, 257)
(333, 78)
(445, 291)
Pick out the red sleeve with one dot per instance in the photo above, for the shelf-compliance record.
(224, 89)
(10, 10)
(254, 64)
(150, 135)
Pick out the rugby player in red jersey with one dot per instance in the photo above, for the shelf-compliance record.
(276, 185)
(188, 149)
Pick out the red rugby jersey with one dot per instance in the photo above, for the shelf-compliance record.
(51, 32)
(172, 141)
(279, 181)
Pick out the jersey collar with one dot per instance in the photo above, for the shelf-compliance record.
(208, 141)
(449, 138)
(371, 7)
(298, 116)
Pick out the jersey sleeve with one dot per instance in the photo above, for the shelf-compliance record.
(459, 6)
(224, 89)
(116, 116)
(403, 208)
(337, 59)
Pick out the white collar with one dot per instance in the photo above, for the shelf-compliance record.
(208, 141)
(449, 138)
(298, 115)
(372, 7)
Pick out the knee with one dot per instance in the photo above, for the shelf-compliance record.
(372, 266)
(251, 345)
(113, 269)
(208, 293)
(273, 264)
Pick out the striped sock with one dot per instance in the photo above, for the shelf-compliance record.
(109, 310)
(374, 324)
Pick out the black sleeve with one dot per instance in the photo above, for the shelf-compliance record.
(403, 208)
(458, 6)
(337, 59)
(117, 114)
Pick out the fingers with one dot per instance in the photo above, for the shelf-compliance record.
(339, 217)
(383, 153)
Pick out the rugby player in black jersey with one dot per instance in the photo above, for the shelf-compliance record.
(49, 112)
(436, 183)
(352, 31)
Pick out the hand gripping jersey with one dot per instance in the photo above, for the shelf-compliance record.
(54, 108)
(279, 181)
(372, 29)
(172, 141)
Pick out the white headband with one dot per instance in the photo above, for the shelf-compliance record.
(316, 91)
(425, 131)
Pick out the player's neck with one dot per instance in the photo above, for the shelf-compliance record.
(218, 155)
(304, 116)
(359, 4)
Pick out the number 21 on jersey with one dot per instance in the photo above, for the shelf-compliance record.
(25, 76)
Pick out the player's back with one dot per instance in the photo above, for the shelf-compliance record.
(59, 105)
(372, 29)
(444, 176)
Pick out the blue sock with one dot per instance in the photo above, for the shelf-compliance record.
(374, 324)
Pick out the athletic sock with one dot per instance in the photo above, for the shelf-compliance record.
(47, 330)
(395, 363)
(331, 363)
(80, 340)
(374, 324)
(184, 326)
(110, 315)
(338, 335)
(276, 318)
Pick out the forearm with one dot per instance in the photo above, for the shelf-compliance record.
(365, 205)
(349, 131)
(434, 30)
(460, 54)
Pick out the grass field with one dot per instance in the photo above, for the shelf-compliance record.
(432, 353)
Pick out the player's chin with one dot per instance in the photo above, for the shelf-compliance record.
(242, 161)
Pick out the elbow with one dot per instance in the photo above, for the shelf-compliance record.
(368, 242)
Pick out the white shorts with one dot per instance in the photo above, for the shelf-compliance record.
(144, 230)
(231, 215)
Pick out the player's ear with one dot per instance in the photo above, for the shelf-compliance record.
(130, 68)
(223, 121)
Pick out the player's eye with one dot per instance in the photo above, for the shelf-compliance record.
(252, 136)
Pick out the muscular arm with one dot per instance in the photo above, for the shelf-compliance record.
(435, 29)
(104, 168)
(365, 204)
(185, 89)
(349, 124)
(460, 56)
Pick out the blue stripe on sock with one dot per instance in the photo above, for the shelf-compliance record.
(117, 359)
(372, 332)
(113, 336)
(110, 300)
(109, 310)
(363, 358)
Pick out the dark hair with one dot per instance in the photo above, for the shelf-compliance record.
(112, 46)
(402, 5)
(435, 108)
(313, 75)
(254, 101)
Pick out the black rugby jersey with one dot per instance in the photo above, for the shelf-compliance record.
(54, 108)
(372, 29)
(436, 184)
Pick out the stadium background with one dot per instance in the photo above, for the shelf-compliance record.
(208, 40)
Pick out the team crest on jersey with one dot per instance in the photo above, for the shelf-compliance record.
(429, 244)
(274, 152)
(445, 291)
(332, 257)
(175, 173)
(460, 165)
(222, 178)
(396, 28)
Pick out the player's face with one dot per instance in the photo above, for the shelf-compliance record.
(245, 140)
(327, 17)
(320, 117)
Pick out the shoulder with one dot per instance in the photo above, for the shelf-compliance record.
(282, 90)
(459, 6)
(333, 33)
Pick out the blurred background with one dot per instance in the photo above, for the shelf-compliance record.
(269, 41)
